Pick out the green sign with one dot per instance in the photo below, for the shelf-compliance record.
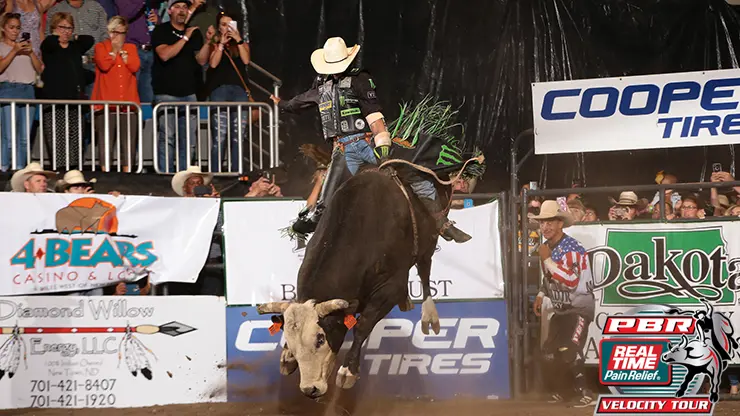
(667, 267)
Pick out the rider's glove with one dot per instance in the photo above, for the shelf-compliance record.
(381, 152)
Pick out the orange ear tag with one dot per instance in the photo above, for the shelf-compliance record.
(274, 328)
(349, 321)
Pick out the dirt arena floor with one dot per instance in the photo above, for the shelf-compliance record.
(376, 407)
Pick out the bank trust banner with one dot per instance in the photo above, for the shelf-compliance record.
(66, 242)
(111, 351)
(661, 264)
(262, 265)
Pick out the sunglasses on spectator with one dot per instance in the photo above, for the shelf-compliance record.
(688, 208)
(65, 27)
(116, 32)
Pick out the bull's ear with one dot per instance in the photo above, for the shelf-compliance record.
(325, 308)
(278, 319)
(272, 307)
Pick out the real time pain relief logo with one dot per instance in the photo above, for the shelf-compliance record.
(655, 358)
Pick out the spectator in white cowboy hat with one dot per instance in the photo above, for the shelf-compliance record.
(568, 284)
(190, 182)
(74, 182)
(33, 178)
(624, 209)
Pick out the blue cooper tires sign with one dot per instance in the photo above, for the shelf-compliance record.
(468, 358)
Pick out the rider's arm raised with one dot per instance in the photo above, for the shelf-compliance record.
(301, 101)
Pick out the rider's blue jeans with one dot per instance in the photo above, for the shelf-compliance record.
(359, 152)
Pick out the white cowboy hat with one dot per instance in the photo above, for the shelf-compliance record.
(334, 58)
(181, 177)
(33, 168)
(551, 210)
(626, 199)
(74, 177)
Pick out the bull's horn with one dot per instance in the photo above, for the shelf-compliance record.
(684, 341)
(325, 308)
(272, 307)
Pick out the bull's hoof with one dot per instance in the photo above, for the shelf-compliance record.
(406, 306)
(288, 368)
(345, 379)
(429, 317)
(714, 397)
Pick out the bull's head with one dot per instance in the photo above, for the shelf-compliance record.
(313, 336)
(677, 353)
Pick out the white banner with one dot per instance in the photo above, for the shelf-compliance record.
(639, 112)
(113, 351)
(70, 242)
(667, 264)
(262, 266)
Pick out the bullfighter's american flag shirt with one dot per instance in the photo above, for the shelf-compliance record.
(568, 280)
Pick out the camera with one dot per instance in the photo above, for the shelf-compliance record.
(201, 190)
(25, 36)
(620, 213)
(716, 167)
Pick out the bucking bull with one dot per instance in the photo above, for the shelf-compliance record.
(357, 262)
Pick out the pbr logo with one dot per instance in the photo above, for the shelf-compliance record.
(655, 359)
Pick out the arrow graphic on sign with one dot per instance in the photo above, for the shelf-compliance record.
(172, 329)
(131, 350)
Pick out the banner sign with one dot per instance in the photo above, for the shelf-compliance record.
(71, 242)
(262, 265)
(639, 112)
(661, 264)
(113, 351)
(468, 358)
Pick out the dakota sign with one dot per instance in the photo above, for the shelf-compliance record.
(69, 242)
(262, 265)
(639, 112)
(660, 264)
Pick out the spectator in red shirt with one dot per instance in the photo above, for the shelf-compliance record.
(116, 64)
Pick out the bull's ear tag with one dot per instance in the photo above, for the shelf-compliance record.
(349, 321)
(274, 328)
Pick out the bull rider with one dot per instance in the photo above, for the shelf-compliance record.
(352, 121)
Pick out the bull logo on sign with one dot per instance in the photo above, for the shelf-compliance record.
(709, 352)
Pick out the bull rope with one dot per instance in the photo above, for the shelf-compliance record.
(414, 227)
(478, 159)
(394, 175)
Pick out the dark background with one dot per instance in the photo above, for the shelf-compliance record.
(484, 54)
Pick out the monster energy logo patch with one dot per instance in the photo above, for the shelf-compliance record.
(372, 84)
(349, 112)
(449, 156)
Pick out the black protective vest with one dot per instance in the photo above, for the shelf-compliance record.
(339, 108)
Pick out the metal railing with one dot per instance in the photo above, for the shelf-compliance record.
(178, 139)
(276, 84)
(67, 130)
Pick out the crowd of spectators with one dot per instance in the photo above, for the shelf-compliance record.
(628, 206)
(141, 51)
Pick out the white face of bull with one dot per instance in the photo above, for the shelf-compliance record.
(307, 341)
